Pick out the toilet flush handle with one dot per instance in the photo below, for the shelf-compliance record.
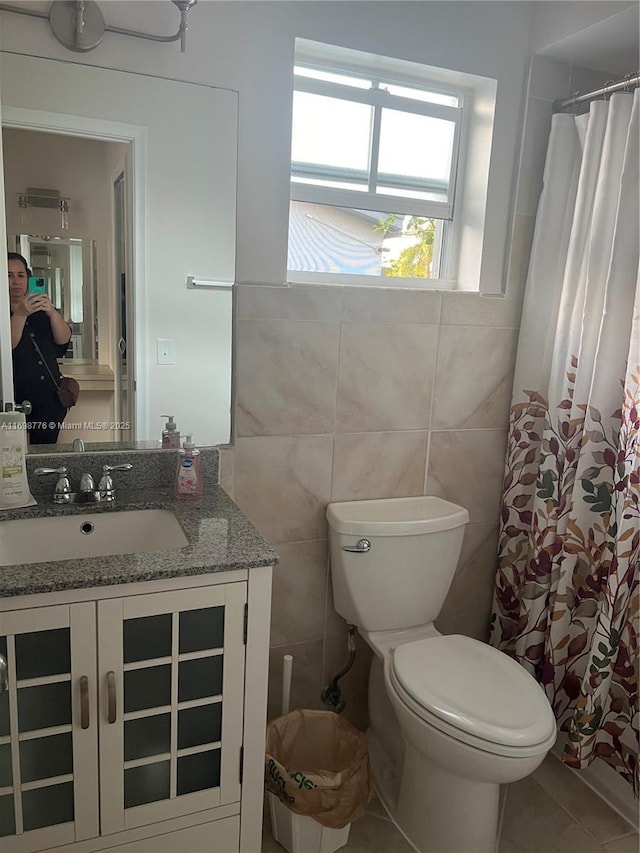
(360, 547)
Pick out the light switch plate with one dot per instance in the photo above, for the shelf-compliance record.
(166, 353)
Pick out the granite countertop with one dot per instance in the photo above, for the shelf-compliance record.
(220, 538)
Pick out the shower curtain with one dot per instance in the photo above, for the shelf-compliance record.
(566, 593)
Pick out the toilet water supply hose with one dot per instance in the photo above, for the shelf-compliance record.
(331, 694)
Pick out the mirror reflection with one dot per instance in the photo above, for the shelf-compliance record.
(117, 226)
(60, 264)
(71, 228)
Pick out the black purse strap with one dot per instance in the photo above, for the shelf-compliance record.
(44, 360)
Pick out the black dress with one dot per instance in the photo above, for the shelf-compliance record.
(31, 379)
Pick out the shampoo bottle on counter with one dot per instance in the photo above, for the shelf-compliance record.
(170, 434)
(14, 486)
(189, 471)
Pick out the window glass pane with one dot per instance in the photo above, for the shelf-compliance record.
(147, 637)
(43, 653)
(6, 778)
(47, 806)
(199, 678)
(415, 154)
(44, 706)
(4, 714)
(412, 248)
(197, 772)
(147, 688)
(422, 95)
(4, 696)
(333, 239)
(197, 726)
(332, 133)
(343, 240)
(146, 784)
(45, 757)
(7, 816)
(147, 736)
(201, 629)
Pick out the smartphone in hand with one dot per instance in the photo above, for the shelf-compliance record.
(36, 285)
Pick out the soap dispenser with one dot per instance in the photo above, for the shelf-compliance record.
(170, 434)
(189, 471)
(14, 486)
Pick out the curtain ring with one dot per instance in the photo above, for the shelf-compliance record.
(607, 83)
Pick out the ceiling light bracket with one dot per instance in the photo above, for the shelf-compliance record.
(79, 24)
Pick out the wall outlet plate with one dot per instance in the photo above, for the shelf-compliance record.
(166, 351)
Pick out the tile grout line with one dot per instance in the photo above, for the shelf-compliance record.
(632, 834)
(575, 820)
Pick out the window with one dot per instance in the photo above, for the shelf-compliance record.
(378, 153)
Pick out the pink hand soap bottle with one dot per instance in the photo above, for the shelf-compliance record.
(189, 471)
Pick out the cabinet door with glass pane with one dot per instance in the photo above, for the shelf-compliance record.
(48, 727)
(171, 672)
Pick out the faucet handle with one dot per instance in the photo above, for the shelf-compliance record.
(105, 486)
(125, 466)
(62, 490)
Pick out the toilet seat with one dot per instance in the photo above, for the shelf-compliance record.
(474, 693)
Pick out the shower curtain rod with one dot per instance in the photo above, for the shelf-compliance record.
(631, 81)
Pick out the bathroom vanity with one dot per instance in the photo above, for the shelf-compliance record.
(133, 708)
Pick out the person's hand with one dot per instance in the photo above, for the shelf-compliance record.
(29, 304)
(40, 302)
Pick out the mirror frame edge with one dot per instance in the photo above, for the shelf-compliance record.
(103, 130)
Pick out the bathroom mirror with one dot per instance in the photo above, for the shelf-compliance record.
(155, 198)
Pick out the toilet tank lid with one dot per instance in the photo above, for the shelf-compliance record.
(395, 516)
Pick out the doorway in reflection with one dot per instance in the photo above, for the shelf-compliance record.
(76, 236)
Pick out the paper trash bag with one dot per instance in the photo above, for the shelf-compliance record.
(318, 765)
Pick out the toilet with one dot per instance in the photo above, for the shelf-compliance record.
(451, 718)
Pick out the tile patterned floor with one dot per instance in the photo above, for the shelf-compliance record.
(550, 812)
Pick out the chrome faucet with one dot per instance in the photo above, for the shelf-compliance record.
(106, 488)
(87, 486)
(87, 492)
(62, 493)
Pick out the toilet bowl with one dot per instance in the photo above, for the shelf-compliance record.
(451, 718)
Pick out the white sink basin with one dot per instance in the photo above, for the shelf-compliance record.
(96, 534)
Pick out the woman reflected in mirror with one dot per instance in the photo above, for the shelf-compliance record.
(39, 336)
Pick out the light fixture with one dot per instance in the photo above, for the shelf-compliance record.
(79, 24)
(47, 199)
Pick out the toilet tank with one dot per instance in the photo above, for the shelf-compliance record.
(402, 577)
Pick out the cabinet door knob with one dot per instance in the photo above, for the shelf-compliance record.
(111, 697)
(84, 702)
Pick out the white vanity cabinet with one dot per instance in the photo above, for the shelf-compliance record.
(126, 714)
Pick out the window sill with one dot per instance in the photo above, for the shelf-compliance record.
(297, 277)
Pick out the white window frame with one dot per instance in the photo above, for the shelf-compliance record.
(463, 238)
(379, 98)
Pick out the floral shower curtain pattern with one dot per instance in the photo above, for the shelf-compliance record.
(566, 601)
